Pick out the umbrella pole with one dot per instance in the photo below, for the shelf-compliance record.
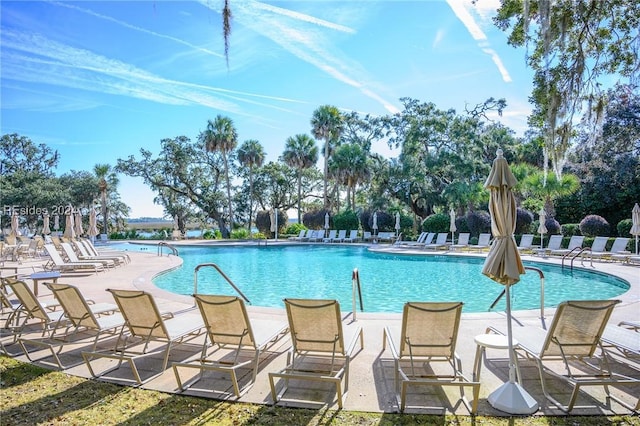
(511, 397)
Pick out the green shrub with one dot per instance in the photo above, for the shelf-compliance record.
(347, 219)
(524, 219)
(315, 219)
(478, 222)
(294, 229)
(263, 222)
(240, 234)
(570, 229)
(438, 222)
(624, 227)
(209, 235)
(258, 236)
(553, 226)
(594, 226)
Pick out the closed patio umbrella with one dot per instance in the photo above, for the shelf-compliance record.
(504, 266)
(452, 225)
(397, 223)
(542, 228)
(69, 226)
(14, 224)
(635, 223)
(45, 224)
(56, 222)
(78, 223)
(326, 220)
(93, 224)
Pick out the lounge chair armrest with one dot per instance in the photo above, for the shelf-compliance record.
(357, 336)
(387, 340)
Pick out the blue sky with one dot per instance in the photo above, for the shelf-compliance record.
(97, 81)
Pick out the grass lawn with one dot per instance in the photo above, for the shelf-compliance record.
(31, 395)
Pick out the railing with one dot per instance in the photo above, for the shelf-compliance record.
(541, 274)
(162, 244)
(217, 268)
(356, 289)
(580, 251)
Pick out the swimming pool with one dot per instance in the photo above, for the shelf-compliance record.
(266, 275)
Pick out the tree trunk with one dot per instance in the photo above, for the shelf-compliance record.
(226, 172)
(250, 197)
(299, 195)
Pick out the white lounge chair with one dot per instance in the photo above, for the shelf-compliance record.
(418, 241)
(144, 324)
(440, 244)
(231, 334)
(416, 347)
(554, 244)
(573, 340)
(463, 241)
(575, 244)
(526, 243)
(322, 347)
(616, 252)
(353, 236)
(342, 234)
(484, 241)
(57, 264)
(73, 257)
(330, 237)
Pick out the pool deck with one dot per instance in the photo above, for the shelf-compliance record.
(371, 386)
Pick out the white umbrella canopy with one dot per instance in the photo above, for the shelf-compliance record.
(542, 228)
(504, 266)
(397, 222)
(452, 224)
(272, 218)
(375, 221)
(326, 220)
(56, 222)
(14, 224)
(93, 223)
(45, 224)
(69, 227)
(78, 223)
(635, 223)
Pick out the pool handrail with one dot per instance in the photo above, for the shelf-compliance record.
(217, 268)
(541, 274)
(581, 250)
(356, 287)
(164, 244)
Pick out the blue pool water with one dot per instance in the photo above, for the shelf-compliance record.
(266, 275)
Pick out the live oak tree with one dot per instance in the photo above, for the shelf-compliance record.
(186, 169)
(574, 47)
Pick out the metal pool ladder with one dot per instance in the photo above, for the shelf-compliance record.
(356, 291)
(162, 244)
(217, 268)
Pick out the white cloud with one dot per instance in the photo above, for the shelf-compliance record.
(301, 35)
(462, 10)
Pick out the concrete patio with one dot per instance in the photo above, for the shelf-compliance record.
(371, 378)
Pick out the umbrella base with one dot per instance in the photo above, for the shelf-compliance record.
(513, 399)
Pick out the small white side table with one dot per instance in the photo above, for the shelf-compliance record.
(492, 341)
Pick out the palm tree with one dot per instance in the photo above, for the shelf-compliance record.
(251, 154)
(300, 152)
(550, 188)
(221, 136)
(349, 164)
(106, 178)
(327, 124)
